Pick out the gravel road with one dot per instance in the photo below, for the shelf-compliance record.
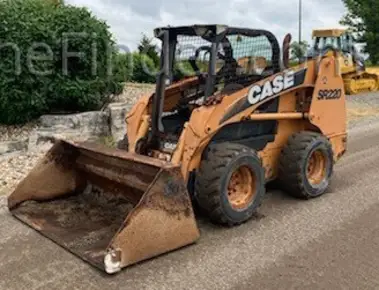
(327, 243)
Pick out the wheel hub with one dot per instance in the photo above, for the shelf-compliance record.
(241, 188)
(316, 169)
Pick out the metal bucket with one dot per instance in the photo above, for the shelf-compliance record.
(109, 207)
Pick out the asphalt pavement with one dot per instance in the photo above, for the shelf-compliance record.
(328, 243)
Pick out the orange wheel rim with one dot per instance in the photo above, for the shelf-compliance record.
(316, 169)
(242, 188)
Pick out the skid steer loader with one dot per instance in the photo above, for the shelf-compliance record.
(227, 117)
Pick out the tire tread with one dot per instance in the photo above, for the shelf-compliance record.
(210, 175)
(292, 157)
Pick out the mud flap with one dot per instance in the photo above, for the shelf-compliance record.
(109, 207)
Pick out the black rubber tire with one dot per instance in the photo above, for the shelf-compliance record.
(293, 163)
(211, 186)
(123, 144)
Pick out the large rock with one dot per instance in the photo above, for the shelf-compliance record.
(89, 126)
(12, 146)
(77, 127)
(87, 123)
(117, 113)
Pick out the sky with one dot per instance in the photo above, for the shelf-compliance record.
(128, 19)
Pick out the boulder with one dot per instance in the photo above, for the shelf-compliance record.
(87, 123)
(12, 146)
(117, 113)
(76, 127)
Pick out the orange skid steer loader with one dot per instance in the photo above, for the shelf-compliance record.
(227, 117)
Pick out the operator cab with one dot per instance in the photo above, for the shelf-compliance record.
(208, 60)
(341, 40)
(219, 55)
(202, 61)
(337, 38)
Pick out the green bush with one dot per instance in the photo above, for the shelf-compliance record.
(123, 67)
(183, 69)
(147, 47)
(36, 32)
(134, 67)
(368, 63)
(144, 69)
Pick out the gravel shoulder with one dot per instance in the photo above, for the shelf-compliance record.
(362, 108)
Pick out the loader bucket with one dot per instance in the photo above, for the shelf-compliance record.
(109, 207)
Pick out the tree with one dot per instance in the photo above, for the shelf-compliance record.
(57, 2)
(298, 50)
(362, 18)
(38, 72)
(148, 48)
